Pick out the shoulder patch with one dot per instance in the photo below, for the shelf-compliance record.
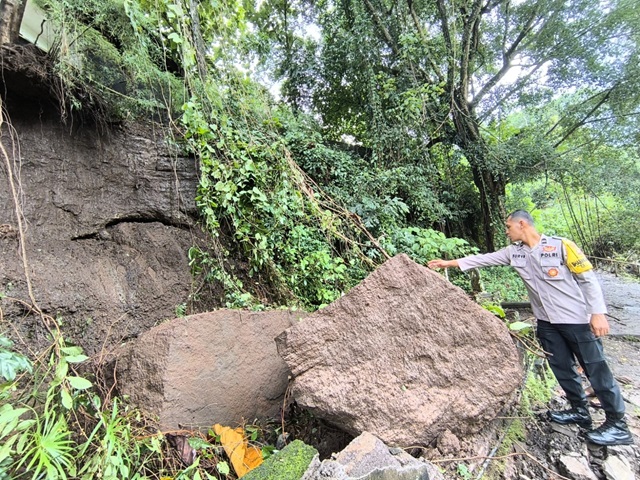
(576, 259)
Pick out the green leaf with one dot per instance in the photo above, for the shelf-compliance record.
(61, 370)
(223, 468)
(71, 351)
(65, 397)
(174, 37)
(76, 359)
(8, 415)
(517, 326)
(198, 443)
(79, 383)
(5, 450)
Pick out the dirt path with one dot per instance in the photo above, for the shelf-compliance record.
(622, 346)
(623, 299)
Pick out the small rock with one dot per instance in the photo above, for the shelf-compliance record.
(448, 443)
(368, 458)
(576, 467)
(281, 442)
(565, 430)
(617, 468)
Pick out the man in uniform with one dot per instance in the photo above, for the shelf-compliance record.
(569, 306)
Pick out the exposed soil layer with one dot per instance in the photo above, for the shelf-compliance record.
(107, 219)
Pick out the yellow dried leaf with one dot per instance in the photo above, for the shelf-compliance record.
(252, 458)
(243, 457)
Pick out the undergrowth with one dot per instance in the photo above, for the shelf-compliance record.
(535, 393)
(56, 423)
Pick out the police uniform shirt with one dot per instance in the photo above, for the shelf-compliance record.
(559, 278)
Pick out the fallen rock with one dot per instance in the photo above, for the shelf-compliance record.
(288, 464)
(576, 467)
(617, 468)
(404, 355)
(368, 458)
(216, 367)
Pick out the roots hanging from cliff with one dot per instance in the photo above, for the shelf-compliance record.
(14, 185)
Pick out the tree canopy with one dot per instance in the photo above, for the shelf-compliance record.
(421, 81)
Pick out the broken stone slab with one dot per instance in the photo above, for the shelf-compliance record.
(628, 454)
(215, 367)
(576, 467)
(368, 458)
(404, 355)
(617, 468)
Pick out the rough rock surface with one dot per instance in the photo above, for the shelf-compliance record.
(109, 216)
(576, 467)
(216, 367)
(368, 458)
(617, 468)
(404, 355)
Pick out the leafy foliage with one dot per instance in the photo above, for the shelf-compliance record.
(429, 83)
(11, 363)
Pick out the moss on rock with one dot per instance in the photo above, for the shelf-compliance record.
(290, 463)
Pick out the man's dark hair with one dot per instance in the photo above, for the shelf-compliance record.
(521, 215)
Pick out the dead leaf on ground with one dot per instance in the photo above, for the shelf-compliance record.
(181, 444)
(243, 457)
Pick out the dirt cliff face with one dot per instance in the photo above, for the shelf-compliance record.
(109, 217)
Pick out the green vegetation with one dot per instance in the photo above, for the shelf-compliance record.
(288, 464)
(58, 424)
(304, 197)
(44, 417)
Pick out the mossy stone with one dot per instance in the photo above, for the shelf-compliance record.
(290, 463)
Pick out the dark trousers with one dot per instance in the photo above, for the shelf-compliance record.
(566, 342)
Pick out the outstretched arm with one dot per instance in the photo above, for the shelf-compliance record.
(501, 257)
(438, 263)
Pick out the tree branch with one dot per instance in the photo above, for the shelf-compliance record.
(425, 41)
(383, 30)
(518, 86)
(446, 33)
(577, 125)
(469, 37)
(507, 57)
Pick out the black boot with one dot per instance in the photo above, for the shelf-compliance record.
(611, 432)
(578, 415)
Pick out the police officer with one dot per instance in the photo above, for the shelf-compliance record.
(568, 304)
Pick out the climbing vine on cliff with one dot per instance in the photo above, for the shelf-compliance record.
(276, 238)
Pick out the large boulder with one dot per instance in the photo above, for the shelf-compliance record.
(405, 355)
(216, 367)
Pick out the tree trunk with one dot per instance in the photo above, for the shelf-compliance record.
(491, 185)
(11, 13)
(198, 41)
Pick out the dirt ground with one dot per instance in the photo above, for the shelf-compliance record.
(622, 346)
